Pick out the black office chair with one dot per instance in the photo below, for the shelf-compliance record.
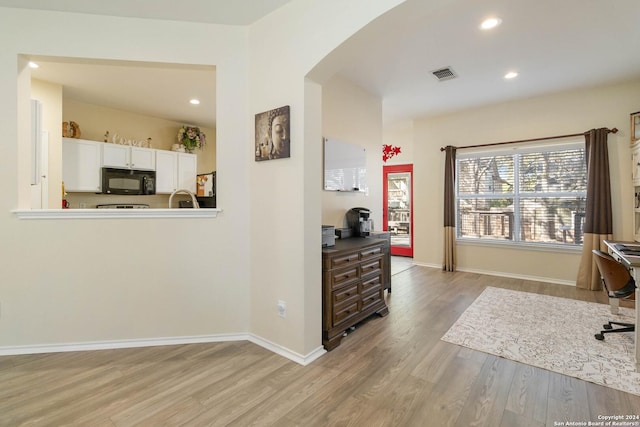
(618, 283)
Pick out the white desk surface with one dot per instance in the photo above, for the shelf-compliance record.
(633, 262)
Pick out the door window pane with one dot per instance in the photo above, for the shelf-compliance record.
(399, 208)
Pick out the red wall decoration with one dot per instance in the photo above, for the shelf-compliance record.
(388, 151)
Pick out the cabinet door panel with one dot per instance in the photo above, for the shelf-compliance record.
(115, 156)
(142, 158)
(81, 165)
(166, 172)
(371, 299)
(343, 277)
(187, 171)
(374, 282)
(346, 293)
(371, 266)
(371, 252)
(343, 312)
(343, 260)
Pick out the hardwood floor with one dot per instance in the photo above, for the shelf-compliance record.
(391, 371)
(400, 263)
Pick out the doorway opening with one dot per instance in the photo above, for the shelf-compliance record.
(397, 216)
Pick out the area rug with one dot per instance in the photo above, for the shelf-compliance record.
(553, 333)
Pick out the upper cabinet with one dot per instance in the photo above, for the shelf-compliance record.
(81, 165)
(187, 171)
(166, 172)
(175, 171)
(82, 162)
(127, 157)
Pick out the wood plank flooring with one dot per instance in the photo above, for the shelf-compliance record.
(392, 371)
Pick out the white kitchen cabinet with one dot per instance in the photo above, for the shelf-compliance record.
(81, 161)
(187, 171)
(127, 157)
(175, 171)
(166, 172)
(143, 158)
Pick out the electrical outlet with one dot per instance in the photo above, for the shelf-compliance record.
(282, 309)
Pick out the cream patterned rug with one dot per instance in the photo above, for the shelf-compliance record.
(551, 333)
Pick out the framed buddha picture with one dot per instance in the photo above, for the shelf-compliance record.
(272, 134)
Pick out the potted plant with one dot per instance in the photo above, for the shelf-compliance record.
(191, 138)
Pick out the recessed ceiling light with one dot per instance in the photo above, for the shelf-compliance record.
(33, 65)
(511, 75)
(195, 101)
(487, 24)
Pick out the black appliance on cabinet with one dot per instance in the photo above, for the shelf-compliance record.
(359, 222)
(128, 181)
(206, 190)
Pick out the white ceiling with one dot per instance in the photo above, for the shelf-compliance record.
(229, 12)
(554, 45)
(150, 89)
(157, 90)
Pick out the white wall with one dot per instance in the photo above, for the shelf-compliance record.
(399, 134)
(50, 95)
(557, 114)
(352, 115)
(285, 200)
(149, 279)
(79, 281)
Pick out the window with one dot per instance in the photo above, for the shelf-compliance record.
(528, 195)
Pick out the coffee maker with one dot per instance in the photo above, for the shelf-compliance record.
(359, 222)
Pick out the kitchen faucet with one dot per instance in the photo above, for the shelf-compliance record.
(193, 197)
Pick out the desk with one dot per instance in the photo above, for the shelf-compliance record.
(633, 262)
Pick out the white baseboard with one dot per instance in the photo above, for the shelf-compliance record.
(425, 264)
(521, 276)
(110, 345)
(503, 274)
(285, 352)
(152, 342)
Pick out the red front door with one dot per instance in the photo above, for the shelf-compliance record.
(397, 200)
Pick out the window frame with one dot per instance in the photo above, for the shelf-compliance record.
(516, 196)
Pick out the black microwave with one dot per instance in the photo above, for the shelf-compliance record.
(128, 181)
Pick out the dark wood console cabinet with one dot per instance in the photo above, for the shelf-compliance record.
(386, 276)
(353, 277)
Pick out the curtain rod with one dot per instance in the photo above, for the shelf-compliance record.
(614, 130)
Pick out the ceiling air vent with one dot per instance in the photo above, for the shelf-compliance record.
(444, 74)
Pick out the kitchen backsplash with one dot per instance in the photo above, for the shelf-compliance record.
(90, 200)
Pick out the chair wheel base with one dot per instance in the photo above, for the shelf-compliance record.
(599, 337)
